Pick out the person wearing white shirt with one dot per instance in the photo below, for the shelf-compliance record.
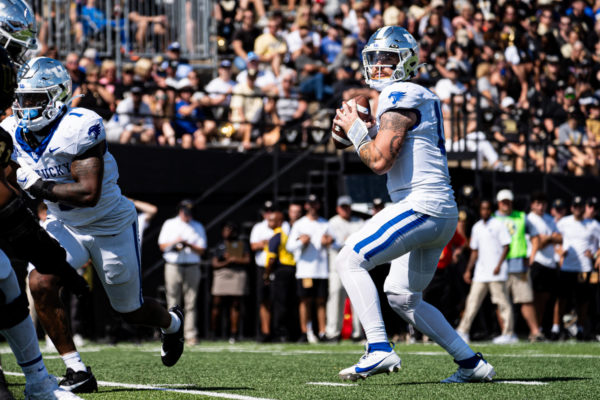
(259, 241)
(341, 226)
(544, 237)
(580, 244)
(183, 241)
(309, 240)
(489, 244)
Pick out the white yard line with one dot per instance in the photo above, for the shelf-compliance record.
(163, 388)
(531, 383)
(331, 384)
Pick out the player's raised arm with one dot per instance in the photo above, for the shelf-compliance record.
(378, 154)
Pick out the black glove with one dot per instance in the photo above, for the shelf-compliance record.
(71, 280)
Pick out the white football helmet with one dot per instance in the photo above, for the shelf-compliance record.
(43, 91)
(17, 29)
(390, 47)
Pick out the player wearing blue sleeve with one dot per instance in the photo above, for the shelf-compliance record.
(407, 144)
(63, 159)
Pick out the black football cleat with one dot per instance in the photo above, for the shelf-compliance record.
(172, 343)
(79, 382)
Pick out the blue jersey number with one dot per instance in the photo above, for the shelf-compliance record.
(440, 128)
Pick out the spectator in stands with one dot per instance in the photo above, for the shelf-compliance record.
(259, 240)
(341, 225)
(346, 57)
(331, 45)
(356, 8)
(158, 23)
(451, 92)
(162, 112)
(309, 240)
(437, 8)
(266, 79)
(247, 111)
(289, 108)
(270, 47)
(187, 126)
(95, 96)
(244, 38)
(489, 244)
(77, 74)
(573, 142)
(174, 60)
(230, 262)
(108, 75)
(311, 71)
(361, 36)
(217, 99)
(183, 241)
(132, 122)
(280, 270)
(302, 37)
(519, 278)
(127, 81)
(579, 250)
(544, 236)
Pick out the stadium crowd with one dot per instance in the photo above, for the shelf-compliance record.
(277, 275)
(518, 80)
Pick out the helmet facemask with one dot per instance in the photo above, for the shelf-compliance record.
(399, 63)
(36, 109)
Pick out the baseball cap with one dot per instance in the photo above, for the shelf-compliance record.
(377, 202)
(559, 204)
(592, 201)
(225, 64)
(312, 198)
(137, 89)
(577, 201)
(174, 46)
(252, 56)
(186, 206)
(504, 194)
(507, 102)
(437, 3)
(268, 206)
(344, 201)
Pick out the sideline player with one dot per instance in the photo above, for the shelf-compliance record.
(408, 145)
(63, 159)
(20, 232)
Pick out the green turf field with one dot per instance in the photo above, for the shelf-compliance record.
(248, 371)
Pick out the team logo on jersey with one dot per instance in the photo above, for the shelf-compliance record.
(95, 131)
(396, 96)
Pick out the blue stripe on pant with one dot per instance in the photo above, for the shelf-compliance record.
(417, 222)
(360, 245)
(136, 240)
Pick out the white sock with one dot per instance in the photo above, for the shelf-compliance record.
(555, 328)
(175, 324)
(364, 298)
(24, 344)
(73, 361)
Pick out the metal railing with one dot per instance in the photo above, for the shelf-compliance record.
(118, 28)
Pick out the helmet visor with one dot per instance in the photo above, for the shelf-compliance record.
(32, 99)
(383, 58)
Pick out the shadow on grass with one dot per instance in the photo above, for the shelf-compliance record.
(175, 387)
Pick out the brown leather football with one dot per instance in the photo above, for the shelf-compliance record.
(338, 136)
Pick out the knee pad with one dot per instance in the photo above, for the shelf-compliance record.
(404, 303)
(347, 258)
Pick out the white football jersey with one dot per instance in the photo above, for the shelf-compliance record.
(78, 131)
(420, 173)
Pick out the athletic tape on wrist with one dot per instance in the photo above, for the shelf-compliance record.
(359, 134)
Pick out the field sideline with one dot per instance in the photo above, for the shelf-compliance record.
(250, 371)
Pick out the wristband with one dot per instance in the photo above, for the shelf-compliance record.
(43, 190)
(359, 134)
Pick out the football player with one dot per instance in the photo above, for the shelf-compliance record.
(407, 144)
(63, 159)
(19, 228)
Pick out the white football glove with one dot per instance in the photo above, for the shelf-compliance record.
(26, 177)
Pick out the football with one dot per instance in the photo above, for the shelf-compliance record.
(340, 140)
